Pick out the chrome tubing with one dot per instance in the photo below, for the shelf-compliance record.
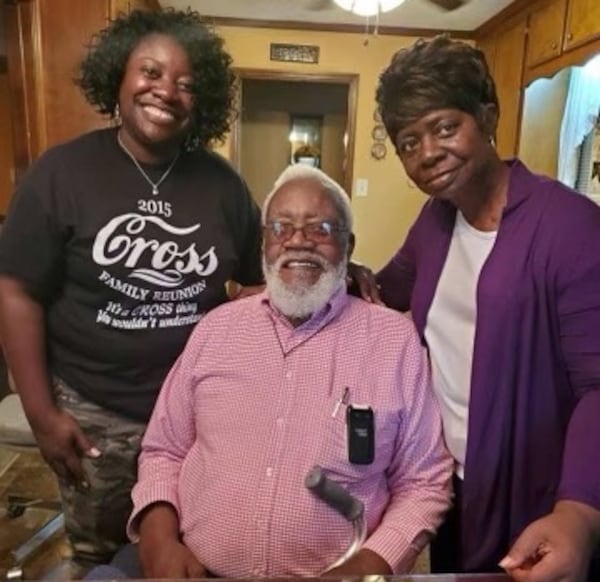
(344, 503)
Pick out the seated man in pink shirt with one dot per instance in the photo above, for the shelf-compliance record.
(260, 395)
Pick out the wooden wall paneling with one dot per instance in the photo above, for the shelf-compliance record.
(7, 165)
(64, 112)
(509, 58)
(488, 47)
(20, 23)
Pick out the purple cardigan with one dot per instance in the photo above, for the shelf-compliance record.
(534, 412)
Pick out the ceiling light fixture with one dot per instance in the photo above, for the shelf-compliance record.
(368, 7)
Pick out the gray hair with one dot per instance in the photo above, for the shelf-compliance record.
(336, 193)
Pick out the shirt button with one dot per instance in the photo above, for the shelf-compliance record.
(269, 471)
(288, 375)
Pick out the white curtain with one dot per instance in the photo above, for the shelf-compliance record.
(579, 118)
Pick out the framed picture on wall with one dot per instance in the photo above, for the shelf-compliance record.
(305, 140)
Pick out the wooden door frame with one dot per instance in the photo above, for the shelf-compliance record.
(350, 80)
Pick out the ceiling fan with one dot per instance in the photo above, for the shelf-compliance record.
(448, 5)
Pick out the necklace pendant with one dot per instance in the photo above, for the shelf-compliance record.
(154, 190)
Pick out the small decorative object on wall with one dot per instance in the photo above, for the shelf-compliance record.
(379, 133)
(298, 53)
(378, 150)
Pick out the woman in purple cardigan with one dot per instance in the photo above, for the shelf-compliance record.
(501, 271)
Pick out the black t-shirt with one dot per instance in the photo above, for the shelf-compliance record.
(125, 275)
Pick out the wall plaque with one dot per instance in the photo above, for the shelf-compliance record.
(297, 53)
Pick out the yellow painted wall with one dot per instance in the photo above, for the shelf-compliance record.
(543, 108)
(383, 217)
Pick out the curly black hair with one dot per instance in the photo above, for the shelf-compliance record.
(434, 74)
(103, 68)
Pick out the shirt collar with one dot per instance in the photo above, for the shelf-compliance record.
(521, 184)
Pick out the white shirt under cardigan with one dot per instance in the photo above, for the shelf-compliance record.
(450, 331)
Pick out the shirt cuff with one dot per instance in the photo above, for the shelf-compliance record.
(395, 549)
(143, 497)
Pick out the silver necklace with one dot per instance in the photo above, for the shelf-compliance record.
(156, 184)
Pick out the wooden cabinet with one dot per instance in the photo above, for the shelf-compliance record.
(583, 22)
(45, 42)
(505, 53)
(546, 28)
(488, 47)
(561, 33)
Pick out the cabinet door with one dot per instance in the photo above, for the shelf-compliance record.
(44, 50)
(7, 163)
(19, 23)
(546, 24)
(583, 22)
(509, 57)
(64, 112)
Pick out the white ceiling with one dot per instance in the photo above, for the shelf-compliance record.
(411, 14)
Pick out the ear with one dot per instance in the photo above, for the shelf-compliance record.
(351, 242)
(488, 119)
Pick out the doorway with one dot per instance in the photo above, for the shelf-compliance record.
(286, 118)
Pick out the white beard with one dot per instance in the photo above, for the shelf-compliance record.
(299, 299)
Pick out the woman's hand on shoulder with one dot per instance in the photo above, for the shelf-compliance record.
(361, 282)
(246, 291)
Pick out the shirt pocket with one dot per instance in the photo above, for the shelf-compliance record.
(333, 452)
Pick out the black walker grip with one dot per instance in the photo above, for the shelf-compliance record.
(333, 494)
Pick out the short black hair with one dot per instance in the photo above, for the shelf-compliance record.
(434, 74)
(103, 68)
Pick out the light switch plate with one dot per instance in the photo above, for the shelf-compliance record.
(362, 187)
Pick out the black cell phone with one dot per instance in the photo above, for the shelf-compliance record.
(360, 425)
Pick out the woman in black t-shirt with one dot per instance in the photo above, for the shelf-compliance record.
(116, 244)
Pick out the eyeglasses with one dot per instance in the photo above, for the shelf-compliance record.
(322, 231)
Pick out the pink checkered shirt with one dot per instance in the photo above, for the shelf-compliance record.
(246, 412)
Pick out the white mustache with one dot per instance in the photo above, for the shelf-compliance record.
(301, 256)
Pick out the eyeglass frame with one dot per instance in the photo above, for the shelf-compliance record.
(335, 230)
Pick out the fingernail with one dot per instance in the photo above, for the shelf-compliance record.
(85, 484)
(94, 452)
(507, 562)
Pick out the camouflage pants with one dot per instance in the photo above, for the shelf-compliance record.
(95, 517)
